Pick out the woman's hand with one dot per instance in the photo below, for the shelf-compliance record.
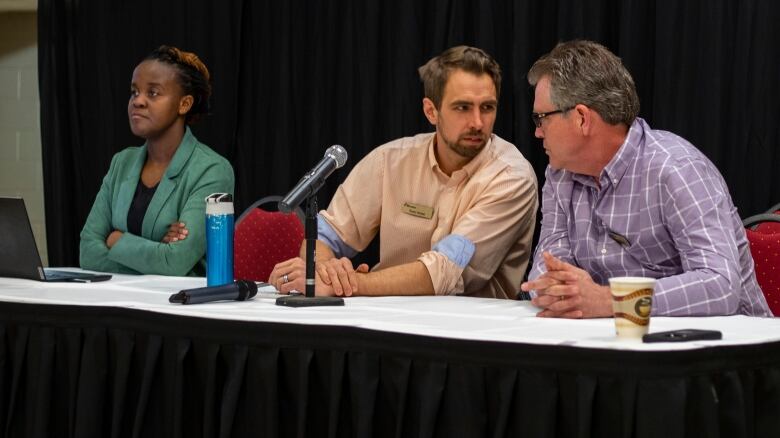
(176, 232)
(113, 238)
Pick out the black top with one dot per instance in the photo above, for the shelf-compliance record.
(141, 199)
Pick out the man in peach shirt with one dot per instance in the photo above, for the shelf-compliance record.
(455, 209)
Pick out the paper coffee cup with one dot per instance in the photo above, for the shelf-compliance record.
(632, 300)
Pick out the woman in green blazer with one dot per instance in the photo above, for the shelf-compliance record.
(149, 215)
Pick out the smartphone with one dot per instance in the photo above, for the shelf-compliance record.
(303, 301)
(683, 335)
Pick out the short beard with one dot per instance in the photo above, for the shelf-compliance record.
(463, 151)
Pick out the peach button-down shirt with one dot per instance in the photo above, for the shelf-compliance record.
(491, 202)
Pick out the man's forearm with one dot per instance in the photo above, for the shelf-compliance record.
(407, 279)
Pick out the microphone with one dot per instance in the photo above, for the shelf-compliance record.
(334, 158)
(240, 290)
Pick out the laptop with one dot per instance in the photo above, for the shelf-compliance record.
(19, 256)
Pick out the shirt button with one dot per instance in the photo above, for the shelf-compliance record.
(603, 250)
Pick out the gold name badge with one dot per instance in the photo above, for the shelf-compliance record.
(417, 210)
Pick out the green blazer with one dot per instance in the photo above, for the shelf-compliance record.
(195, 172)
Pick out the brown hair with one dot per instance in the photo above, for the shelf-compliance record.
(192, 74)
(435, 73)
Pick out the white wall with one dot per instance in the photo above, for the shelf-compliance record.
(21, 171)
(18, 5)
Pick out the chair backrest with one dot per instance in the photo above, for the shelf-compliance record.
(264, 238)
(767, 222)
(770, 226)
(765, 249)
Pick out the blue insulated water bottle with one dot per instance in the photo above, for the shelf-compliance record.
(219, 239)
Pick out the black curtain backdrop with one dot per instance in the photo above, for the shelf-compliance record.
(293, 77)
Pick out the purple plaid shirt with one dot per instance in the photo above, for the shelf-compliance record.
(663, 211)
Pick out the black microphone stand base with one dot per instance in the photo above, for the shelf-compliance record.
(304, 301)
(310, 300)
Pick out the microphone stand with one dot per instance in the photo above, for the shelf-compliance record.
(311, 243)
(309, 300)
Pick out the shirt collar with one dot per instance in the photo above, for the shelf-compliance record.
(181, 156)
(627, 152)
(614, 170)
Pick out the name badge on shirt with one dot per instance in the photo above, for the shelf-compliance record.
(417, 210)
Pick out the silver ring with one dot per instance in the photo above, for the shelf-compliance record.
(284, 278)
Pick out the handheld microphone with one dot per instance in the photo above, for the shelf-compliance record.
(240, 290)
(334, 158)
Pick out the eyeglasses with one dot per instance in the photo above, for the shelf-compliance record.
(537, 117)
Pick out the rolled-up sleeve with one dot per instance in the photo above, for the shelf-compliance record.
(446, 261)
(500, 226)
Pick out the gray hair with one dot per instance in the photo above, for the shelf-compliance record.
(585, 72)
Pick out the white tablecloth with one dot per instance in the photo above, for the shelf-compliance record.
(448, 317)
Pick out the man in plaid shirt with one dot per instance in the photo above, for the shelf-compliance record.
(622, 199)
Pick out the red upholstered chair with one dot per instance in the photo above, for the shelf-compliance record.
(765, 249)
(264, 238)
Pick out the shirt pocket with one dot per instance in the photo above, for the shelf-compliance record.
(643, 256)
(409, 231)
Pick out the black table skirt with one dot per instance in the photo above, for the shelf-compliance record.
(75, 371)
